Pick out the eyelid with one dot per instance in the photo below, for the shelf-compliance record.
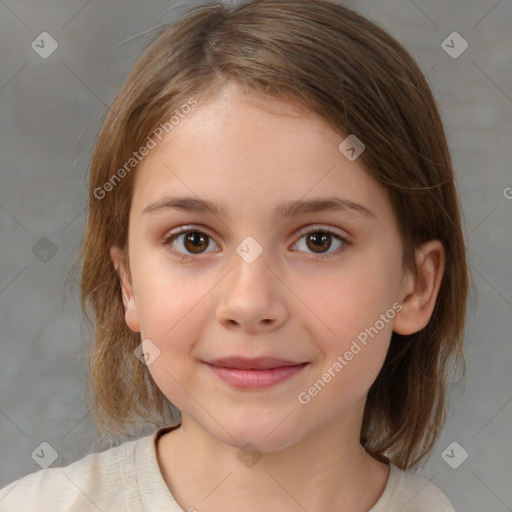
(173, 234)
(309, 228)
(324, 227)
(301, 232)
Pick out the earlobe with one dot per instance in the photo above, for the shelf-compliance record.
(129, 302)
(420, 293)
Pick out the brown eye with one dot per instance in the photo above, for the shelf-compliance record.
(195, 242)
(186, 243)
(319, 242)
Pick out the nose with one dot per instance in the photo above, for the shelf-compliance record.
(252, 298)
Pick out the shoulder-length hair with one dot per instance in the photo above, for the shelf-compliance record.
(348, 71)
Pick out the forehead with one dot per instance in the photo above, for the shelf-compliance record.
(241, 152)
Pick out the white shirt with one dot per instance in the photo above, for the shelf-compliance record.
(128, 478)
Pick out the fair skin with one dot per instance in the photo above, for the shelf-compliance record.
(294, 302)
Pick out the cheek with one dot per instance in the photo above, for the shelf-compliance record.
(354, 314)
(167, 298)
(352, 357)
(173, 318)
(175, 307)
(353, 299)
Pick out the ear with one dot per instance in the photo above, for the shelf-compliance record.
(419, 293)
(131, 314)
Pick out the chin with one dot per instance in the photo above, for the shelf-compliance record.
(264, 436)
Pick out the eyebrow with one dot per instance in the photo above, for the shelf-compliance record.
(194, 204)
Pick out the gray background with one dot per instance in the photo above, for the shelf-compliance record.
(50, 114)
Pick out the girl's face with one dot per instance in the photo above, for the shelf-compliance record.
(250, 281)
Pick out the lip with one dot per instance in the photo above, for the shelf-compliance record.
(246, 378)
(259, 363)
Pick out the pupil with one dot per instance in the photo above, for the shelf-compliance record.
(191, 237)
(322, 239)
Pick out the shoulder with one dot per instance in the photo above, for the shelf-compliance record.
(90, 483)
(411, 492)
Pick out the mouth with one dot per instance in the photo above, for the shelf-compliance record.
(256, 374)
(260, 363)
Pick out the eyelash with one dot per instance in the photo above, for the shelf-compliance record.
(185, 230)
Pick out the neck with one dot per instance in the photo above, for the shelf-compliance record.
(328, 469)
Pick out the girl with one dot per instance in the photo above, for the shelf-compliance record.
(274, 247)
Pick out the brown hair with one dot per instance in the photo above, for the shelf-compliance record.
(349, 72)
